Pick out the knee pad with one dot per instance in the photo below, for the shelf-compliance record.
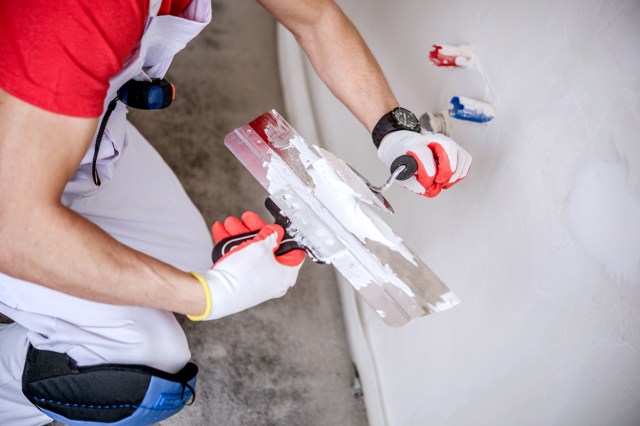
(118, 394)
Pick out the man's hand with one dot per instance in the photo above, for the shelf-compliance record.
(441, 162)
(250, 273)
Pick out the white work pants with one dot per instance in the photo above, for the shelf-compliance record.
(145, 207)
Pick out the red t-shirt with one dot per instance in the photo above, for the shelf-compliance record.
(59, 55)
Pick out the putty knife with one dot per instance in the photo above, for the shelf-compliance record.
(332, 213)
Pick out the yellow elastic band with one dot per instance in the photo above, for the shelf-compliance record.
(207, 294)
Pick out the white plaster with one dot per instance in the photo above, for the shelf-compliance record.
(540, 241)
(604, 217)
(332, 212)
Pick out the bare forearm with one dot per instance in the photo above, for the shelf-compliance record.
(59, 249)
(43, 242)
(345, 63)
(339, 55)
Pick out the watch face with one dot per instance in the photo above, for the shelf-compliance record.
(405, 118)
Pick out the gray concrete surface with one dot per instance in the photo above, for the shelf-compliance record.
(285, 362)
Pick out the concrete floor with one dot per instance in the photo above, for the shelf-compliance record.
(285, 362)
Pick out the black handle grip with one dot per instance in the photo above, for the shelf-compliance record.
(288, 243)
(409, 162)
(223, 247)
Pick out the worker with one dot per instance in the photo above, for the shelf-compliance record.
(99, 243)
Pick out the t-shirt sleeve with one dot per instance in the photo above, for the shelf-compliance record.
(59, 55)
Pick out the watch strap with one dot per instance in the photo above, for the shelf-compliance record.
(388, 124)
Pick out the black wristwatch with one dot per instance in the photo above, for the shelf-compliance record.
(397, 119)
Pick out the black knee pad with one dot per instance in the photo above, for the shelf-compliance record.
(118, 394)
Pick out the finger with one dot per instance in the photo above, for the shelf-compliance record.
(269, 236)
(412, 184)
(443, 163)
(219, 232)
(450, 184)
(424, 156)
(467, 164)
(458, 173)
(433, 190)
(462, 172)
(235, 226)
(426, 165)
(268, 231)
(292, 258)
(252, 221)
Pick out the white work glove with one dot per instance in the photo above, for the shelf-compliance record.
(441, 162)
(250, 273)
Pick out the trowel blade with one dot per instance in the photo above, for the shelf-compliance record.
(381, 197)
(333, 213)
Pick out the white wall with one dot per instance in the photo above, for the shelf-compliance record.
(542, 240)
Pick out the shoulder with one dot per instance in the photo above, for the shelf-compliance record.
(60, 55)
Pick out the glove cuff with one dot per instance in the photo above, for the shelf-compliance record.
(207, 293)
(394, 145)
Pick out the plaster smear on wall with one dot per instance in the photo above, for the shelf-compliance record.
(542, 241)
(604, 217)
